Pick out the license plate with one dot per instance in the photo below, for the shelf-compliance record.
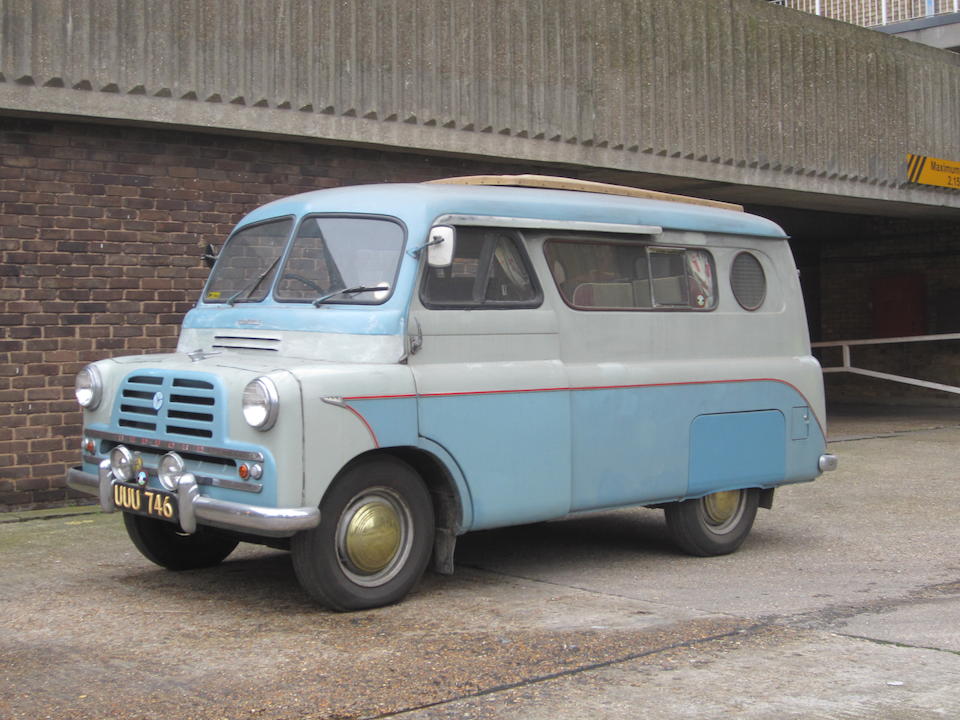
(145, 501)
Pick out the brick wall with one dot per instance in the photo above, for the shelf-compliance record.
(101, 230)
(846, 264)
(872, 268)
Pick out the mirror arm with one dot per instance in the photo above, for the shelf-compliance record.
(416, 341)
(209, 255)
(415, 252)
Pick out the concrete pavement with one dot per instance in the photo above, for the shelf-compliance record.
(843, 603)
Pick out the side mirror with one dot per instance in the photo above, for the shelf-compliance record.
(209, 255)
(440, 246)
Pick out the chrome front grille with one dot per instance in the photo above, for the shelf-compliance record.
(168, 405)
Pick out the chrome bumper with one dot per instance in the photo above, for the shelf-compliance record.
(827, 463)
(195, 508)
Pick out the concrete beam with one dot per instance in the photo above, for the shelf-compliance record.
(735, 93)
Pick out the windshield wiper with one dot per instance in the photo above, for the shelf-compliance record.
(349, 291)
(249, 288)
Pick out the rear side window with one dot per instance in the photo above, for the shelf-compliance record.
(611, 275)
(748, 282)
(490, 270)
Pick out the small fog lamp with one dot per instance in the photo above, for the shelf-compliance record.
(88, 387)
(170, 470)
(121, 463)
(261, 403)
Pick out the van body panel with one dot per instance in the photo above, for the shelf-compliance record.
(419, 205)
(351, 409)
(125, 416)
(732, 450)
(263, 348)
(514, 450)
(507, 423)
(636, 445)
(286, 317)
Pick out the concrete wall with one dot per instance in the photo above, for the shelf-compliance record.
(719, 96)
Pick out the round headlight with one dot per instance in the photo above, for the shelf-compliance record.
(121, 462)
(170, 470)
(88, 387)
(261, 403)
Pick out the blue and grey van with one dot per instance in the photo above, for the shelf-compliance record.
(372, 371)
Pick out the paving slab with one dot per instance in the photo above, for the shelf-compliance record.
(772, 673)
(933, 623)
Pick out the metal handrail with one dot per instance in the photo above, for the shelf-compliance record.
(845, 345)
(873, 13)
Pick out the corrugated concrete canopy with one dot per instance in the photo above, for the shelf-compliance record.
(731, 99)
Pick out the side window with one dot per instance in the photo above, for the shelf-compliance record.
(489, 270)
(623, 275)
(668, 274)
(747, 280)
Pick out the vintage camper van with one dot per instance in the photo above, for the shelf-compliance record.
(372, 371)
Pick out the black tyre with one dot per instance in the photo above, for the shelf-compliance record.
(713, 525)
(164, 544)
(374, 539)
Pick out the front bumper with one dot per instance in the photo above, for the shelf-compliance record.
(197, 509)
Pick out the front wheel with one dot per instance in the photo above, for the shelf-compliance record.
(374, 538)
(713, 525)
(164, 544)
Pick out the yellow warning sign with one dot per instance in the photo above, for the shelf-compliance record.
(933, 171)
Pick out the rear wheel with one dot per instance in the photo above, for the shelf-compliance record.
(716, 524)
(374, 539)
(164, 544)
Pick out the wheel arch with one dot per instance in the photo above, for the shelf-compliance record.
(448, 506)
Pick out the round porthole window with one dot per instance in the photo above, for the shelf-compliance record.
(747, 281)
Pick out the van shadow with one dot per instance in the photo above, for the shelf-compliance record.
(608, 537)
(262, 578)
(252, 576)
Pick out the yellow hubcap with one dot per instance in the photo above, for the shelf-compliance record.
(373, 536)
(721, 506)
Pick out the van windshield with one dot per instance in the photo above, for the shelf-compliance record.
(342, 260)
(329, 255)
(246, 265)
